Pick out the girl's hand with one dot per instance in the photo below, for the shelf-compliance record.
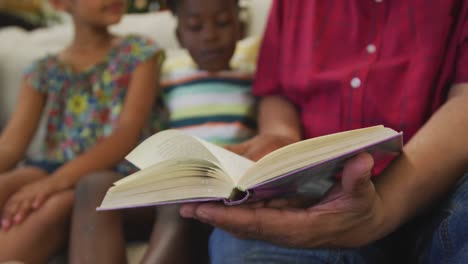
(24, 201)
(5, 191)
(260, 145)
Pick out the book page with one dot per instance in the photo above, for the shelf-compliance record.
(191, 190)
(313, 151)
(169, 145)
(169, 169)
(234, 165)
(171, 183)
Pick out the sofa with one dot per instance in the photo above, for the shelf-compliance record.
(18, 48)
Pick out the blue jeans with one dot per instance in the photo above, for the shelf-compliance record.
(440, 236)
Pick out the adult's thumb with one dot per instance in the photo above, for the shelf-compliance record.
(357, 172)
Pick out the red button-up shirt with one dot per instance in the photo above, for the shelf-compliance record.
(357, 63)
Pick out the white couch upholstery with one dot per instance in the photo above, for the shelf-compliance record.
(19, 48)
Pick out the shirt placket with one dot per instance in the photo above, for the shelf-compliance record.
(358, 79)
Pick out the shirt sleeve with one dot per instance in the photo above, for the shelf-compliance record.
(461, 72)
(36, 75)
(267, 79)
(142, 49)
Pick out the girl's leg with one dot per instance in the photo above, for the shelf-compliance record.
(41, 235)
(96, 237)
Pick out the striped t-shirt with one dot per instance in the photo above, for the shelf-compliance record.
(217, 107)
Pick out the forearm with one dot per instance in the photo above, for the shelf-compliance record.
(105, 155)
(277, 115)
(432, 162)
(9, 157)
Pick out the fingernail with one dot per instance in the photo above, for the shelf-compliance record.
(17, 218)
(5, 223)
(186, 212)
(204, 214)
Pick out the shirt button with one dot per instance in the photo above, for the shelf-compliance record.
(371, 48)
(355, 82)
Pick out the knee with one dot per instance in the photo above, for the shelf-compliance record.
(56, 210)
(91, 189)
(61, 200)
(219, 253)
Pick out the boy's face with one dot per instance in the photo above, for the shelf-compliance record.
(209, 30)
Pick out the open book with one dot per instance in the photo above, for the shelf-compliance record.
(177, 167)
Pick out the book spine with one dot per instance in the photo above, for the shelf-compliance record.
(239, 198)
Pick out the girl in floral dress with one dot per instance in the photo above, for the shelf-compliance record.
(95, 98)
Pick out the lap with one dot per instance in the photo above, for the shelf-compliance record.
(26, 240)
(440, 236)
(225, 248)
(55, 209)
(58, 205)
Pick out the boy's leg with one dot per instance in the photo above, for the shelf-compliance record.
(170, 237)
(96, 237)
(41, 235)
(199, 237)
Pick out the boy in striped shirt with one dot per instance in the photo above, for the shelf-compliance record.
(211, 101)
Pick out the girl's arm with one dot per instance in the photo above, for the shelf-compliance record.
(18, 133)
(142, 92)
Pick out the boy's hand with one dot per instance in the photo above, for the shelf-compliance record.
(261, 145)
(24, 201)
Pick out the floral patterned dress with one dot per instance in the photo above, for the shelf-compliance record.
(83, 108)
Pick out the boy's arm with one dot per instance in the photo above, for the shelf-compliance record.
(278, 126)
(278, 118)
(15, 138)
